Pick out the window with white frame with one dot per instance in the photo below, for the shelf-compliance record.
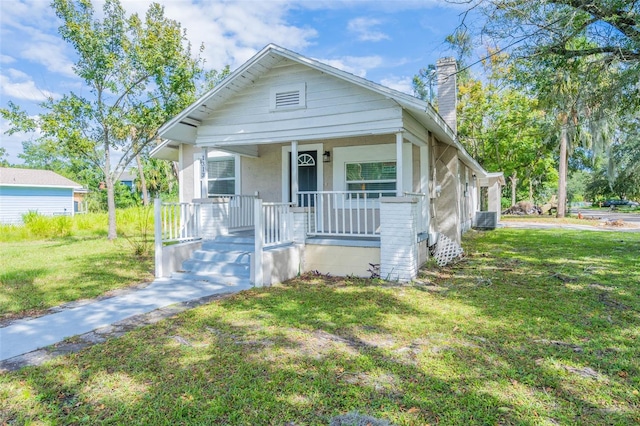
(221, 175)
(376, 178)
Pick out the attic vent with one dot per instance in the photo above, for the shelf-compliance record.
(288, 97)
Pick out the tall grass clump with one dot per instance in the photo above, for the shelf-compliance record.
(47, 226)
(13, 233)
(93, 223)
(135, 224)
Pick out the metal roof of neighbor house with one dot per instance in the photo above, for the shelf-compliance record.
(10, 176)
(126, 176)
(269, 57)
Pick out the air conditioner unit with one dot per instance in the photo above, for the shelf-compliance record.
(486, 220)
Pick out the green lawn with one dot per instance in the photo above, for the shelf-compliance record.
(552, 220)
(531, 328)
(37, 275)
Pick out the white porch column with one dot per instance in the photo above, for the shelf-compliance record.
(300, 224)
(181, 180)
(157, 217)
(424, 188)
(256, 264)
(398, 242)
(294, 172)
(399, 168)
(204, 174)
(495, 196)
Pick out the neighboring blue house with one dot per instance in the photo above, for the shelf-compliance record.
(44, 191)
(128, 179)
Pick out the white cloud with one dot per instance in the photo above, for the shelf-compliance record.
(401, 84)
(385, 6)
(49, 52)
(6, 59)
(357, 65)
(232, 32)
(27, 14)
(15, 84)
(31, 26)
(364, 29)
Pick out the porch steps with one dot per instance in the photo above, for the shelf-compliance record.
(225, 260)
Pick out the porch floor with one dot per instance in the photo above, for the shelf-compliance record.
(346, 241)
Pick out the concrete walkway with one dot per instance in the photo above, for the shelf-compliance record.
(24, 336)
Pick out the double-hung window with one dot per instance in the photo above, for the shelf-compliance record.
(221, 175)
(376, 178)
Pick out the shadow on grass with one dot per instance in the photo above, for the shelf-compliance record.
(519, 334)
(27, 292)
(17, 289)
(225, 372)
(300, 355)
(569, 308)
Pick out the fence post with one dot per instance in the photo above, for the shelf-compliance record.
(259, 243)
(157, 224)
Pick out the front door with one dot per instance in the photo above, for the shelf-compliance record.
(307, 176)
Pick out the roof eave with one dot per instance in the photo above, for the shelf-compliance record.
(443, 131)
(218, 88)
(28, 185)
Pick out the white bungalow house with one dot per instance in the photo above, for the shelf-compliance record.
(41, 191)
(378, 175)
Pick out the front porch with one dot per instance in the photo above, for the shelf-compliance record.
(334, 232)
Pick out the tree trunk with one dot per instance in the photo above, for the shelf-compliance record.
(562, 168)
(514, 181)
(111, 198)
(143, 182)
(176, 174)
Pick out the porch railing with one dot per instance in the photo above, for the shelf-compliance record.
(177, 221)
(235, 210)
(277, 224)
(343, 213)
(206, 218)
(273, 226)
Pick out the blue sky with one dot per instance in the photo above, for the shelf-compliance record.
(383, 41)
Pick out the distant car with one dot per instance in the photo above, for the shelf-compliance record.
(615, 203)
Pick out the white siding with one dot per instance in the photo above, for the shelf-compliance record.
(413, 127)
(17, 200)
(334, 108)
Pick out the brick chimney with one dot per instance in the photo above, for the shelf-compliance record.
(447, 91)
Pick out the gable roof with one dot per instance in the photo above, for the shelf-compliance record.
(268, 58)
(127, 176)
(10, 176)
